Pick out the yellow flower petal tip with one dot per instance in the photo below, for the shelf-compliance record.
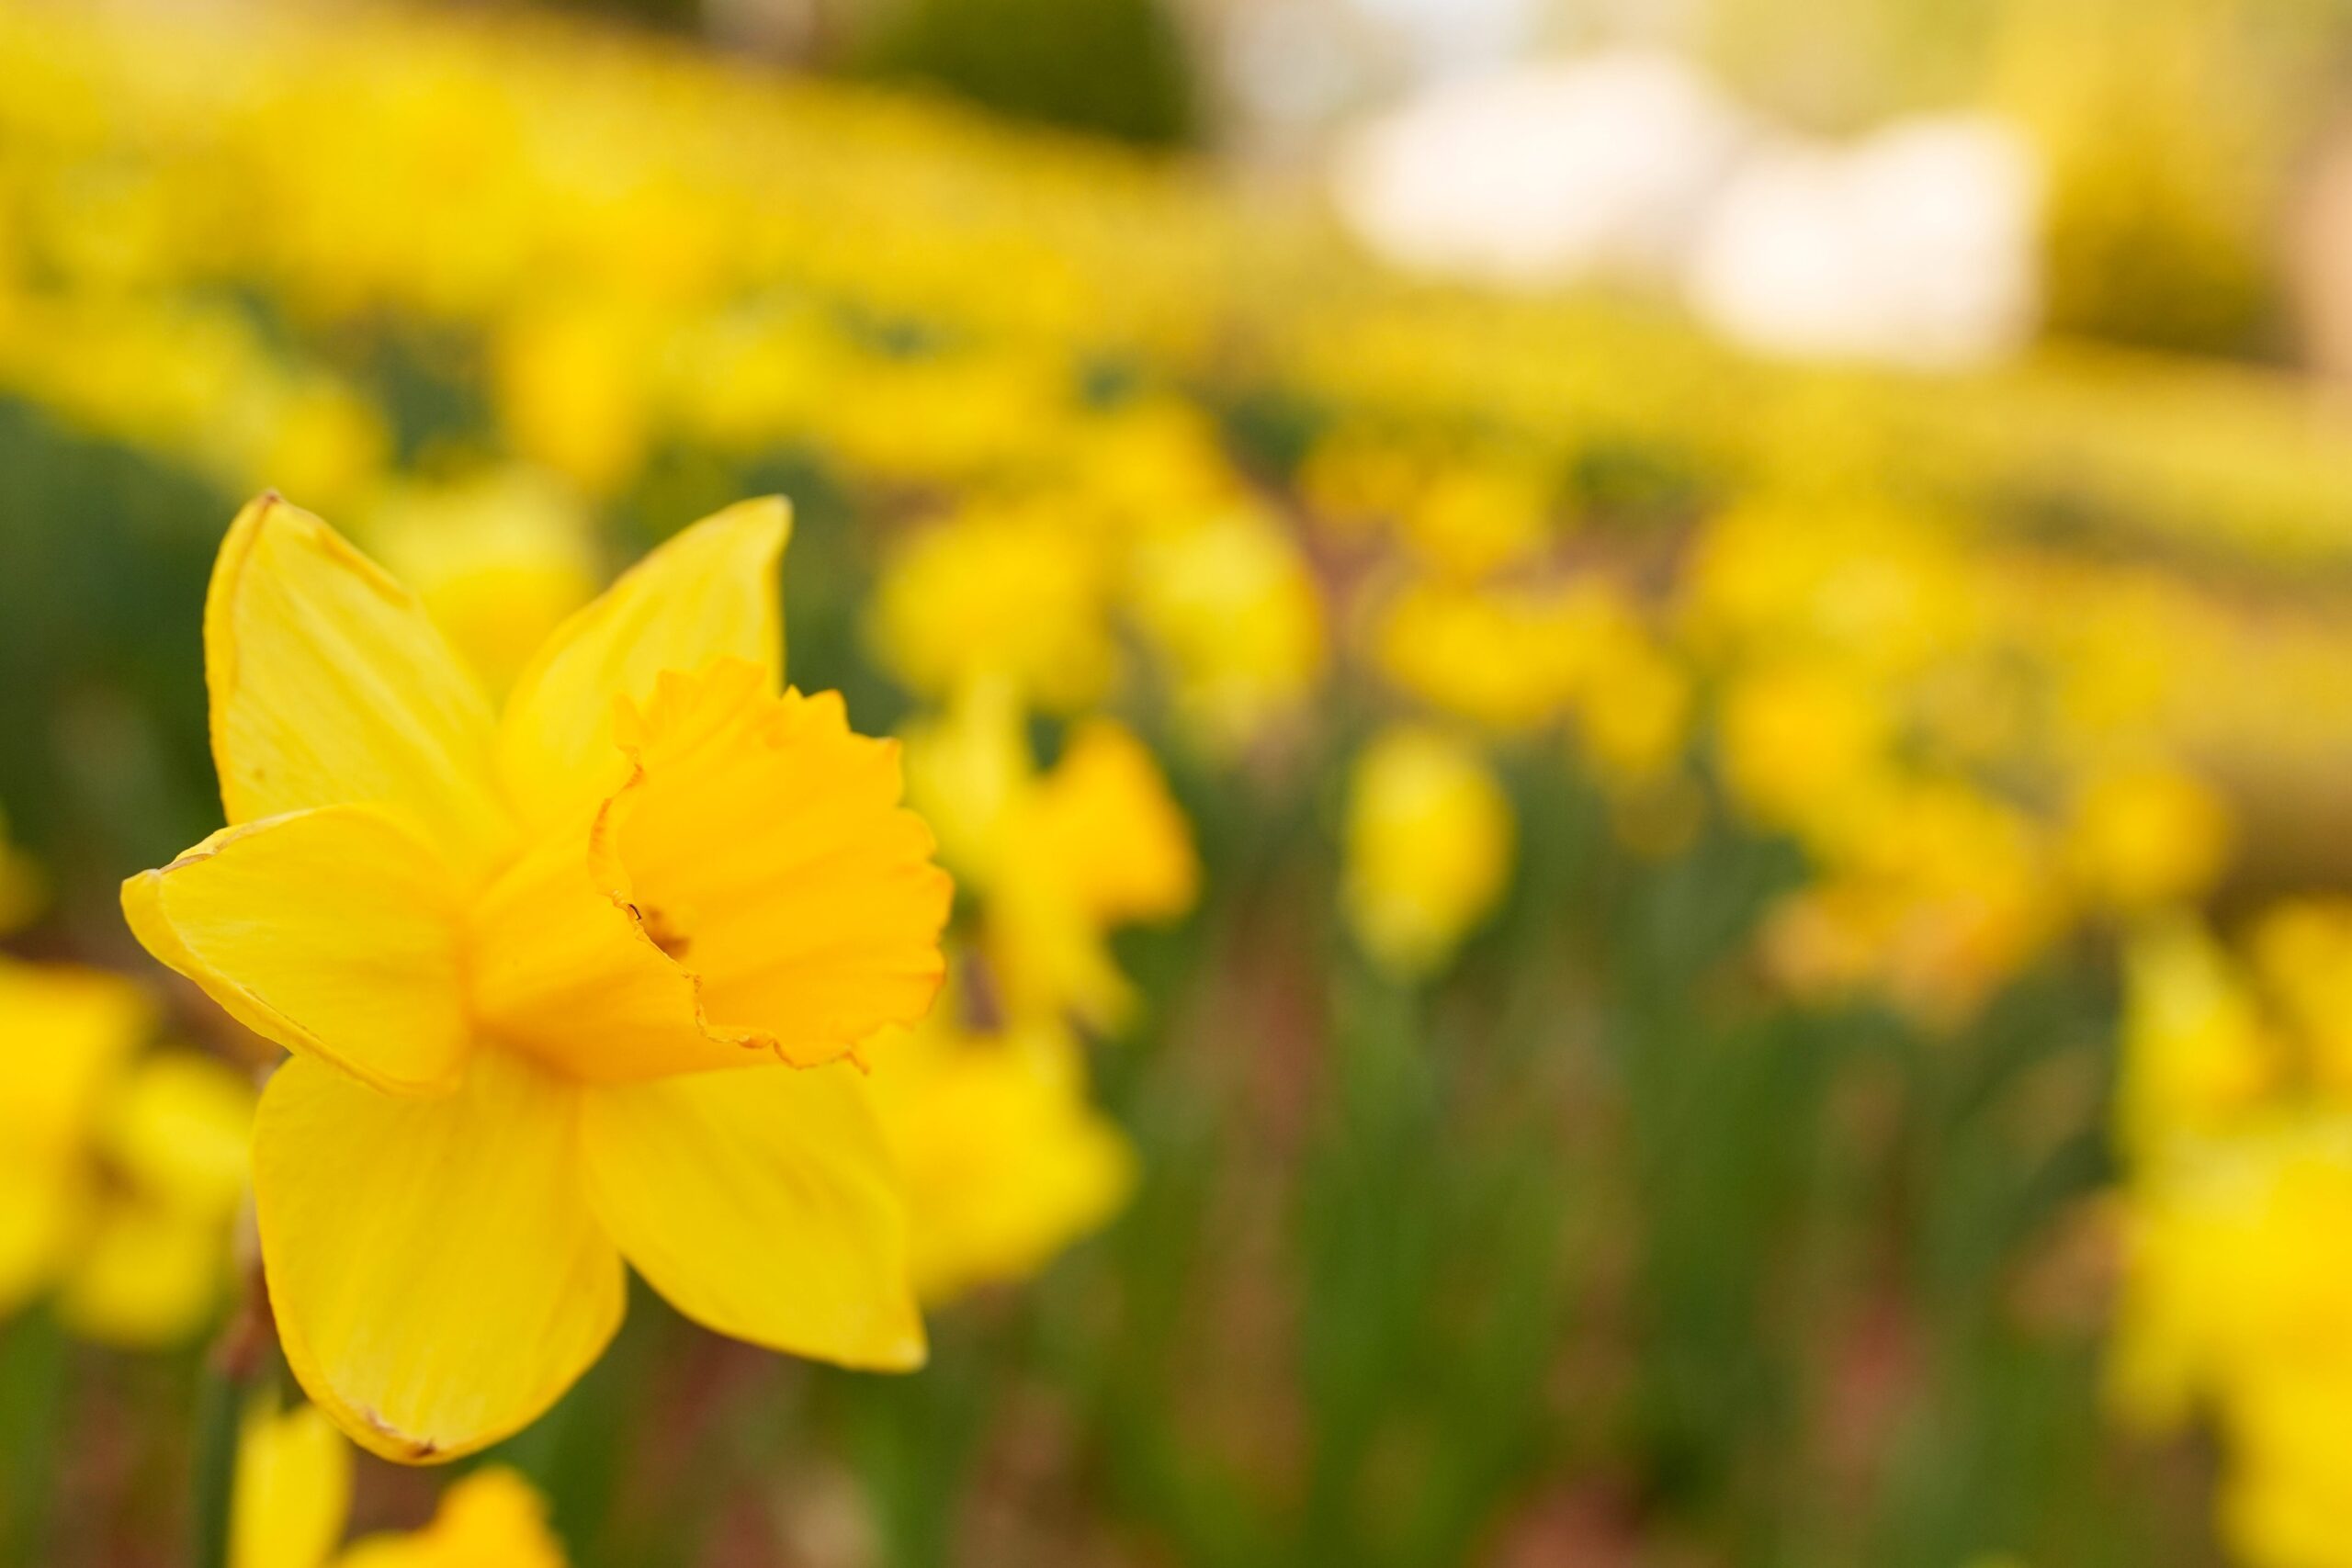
(333, 931)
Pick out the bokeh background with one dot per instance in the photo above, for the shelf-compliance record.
(1644, 708)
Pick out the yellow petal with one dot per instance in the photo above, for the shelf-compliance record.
(293, 1489)
(752, 890)
(437, 1276)
(564, 968)
(85, 1023)
(763, 1205)
(490, 1519)
(762, 843)
(709, 594)
(1112, 833)
(146, 1276)
(1005, 1160)
(332, 686)
(333, 931)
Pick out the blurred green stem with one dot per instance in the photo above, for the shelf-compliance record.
(32, 1401)
(236, 1362)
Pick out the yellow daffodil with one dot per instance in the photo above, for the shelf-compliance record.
(293, 1498)
(2236, 1134)
(1016, 593)
(546, 976)
(119, 1175)
(2302, 953)
(1500, 657)
(1058, 859)
(1230, 604)
(2147, 836)
(1428, 842)
(1933, 897)
(1805, 747)
(1005, 1160)
(2198, 1051)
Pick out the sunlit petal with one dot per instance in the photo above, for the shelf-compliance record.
(437, 1277)
(331, 686)
(333, 931)
(761, 1204)
(709, 594)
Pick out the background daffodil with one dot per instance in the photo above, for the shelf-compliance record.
(514, 956)
(294, 1486)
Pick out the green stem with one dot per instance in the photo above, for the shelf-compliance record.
(220, 1396)
(237, 1361)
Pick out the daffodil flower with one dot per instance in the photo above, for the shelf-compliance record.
(120, 1174)
(1058, 858)
(1007, 1159)
(293, 1500)
(547, 974)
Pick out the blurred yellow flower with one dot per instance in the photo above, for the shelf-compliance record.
(2234, 1299)
(1019, 594)
(2237, 1139)
(1005, 1161)
(121, 1174)
(1933, 895)
(1500, 657)
(1805, 747)
(499, 561)
(1058, 859)
(571, 380)
(292, 1488)
(1428, 845)
(1230, 605)
(2147, 836)
(2301, 952)
(2198, 1052)
(1471, 519)
(293, 1499)
(1631, 700)
(508, 953)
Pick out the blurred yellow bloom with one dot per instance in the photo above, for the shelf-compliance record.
(571, 383)
(293, 1498)
(1505, 658)
(1428, 845)
(1629, 699)
(2198, 1052)
(1230, 604)
(1016, 593)
(1804, 747)
(509, 950)
(2237, 1138)
(499, 562)
(1058, 859)
(2147, 836)
(2302, 953)
(1933, 895)
(1475, 518)
(119, 1178)
(2234, 1299)
(492, 1519)
(292, 1488)
(1005, 1161)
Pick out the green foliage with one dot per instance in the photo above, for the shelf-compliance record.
(1118, 67)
